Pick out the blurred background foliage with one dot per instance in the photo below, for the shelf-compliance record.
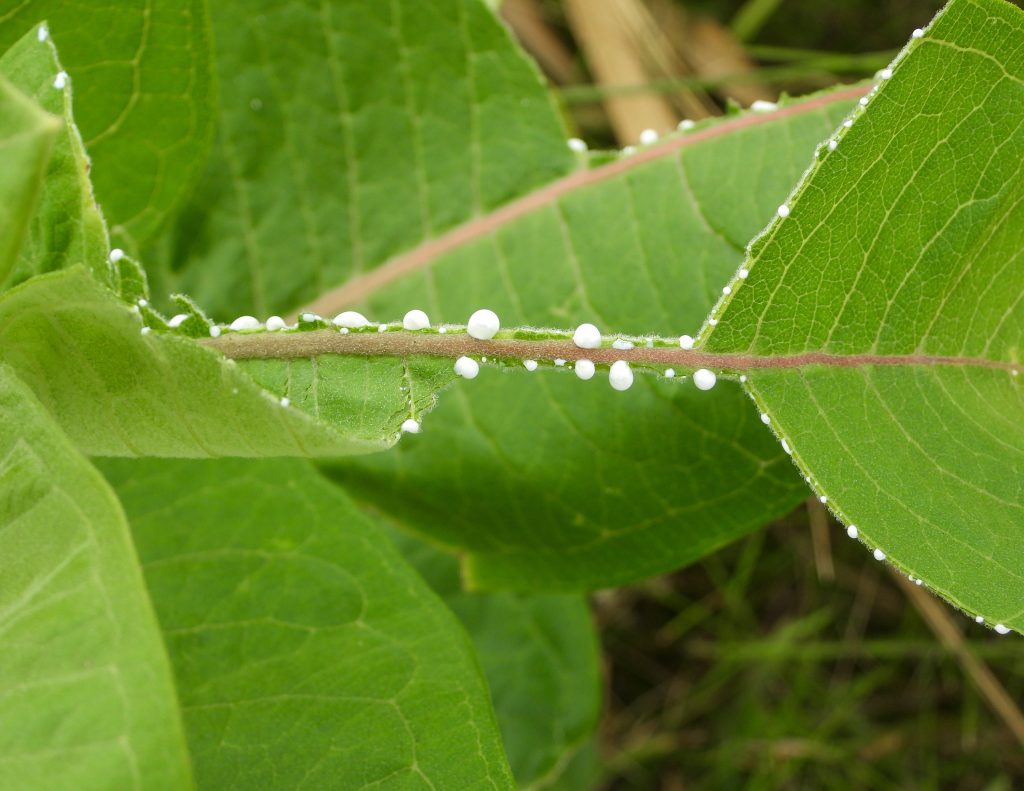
(789, 660)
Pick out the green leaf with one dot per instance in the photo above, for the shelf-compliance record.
(26, 139)
(350, 131)
(86, 698)
(580, 486)
(67, 227)
(144, 97)
(900, 260)
(307, 653)
(119, 392)
(541, 659)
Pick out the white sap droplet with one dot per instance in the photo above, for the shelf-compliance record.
(833, 145)
(42, 34)
(685, 342)
(144, 330)
(415, 320)
(979, 619)
(410, 426)
(587, 336)
(765, 419)
(143, 302)
(823, 499)
(743, 274)
(620, 377)
(648, 137)
(918, 33)
(116, 255)
(309, 317)
(483, 359)
(670, 372)
(559, 362)
(1014, 372)
(351, 319)
(713, 322)
(246, 323)
(649, 343)
(863, 101)
(530, 365)
(343, 330)
(704, 379)
(686, 124)
(1001, 629)
(61, 80)
(382, 328)
(885, 74)
(726, 290)
(848, 123)
(286, 401)
(918, 581)
(585, 369)
(177, 320)
(577, 145)
(762, 106)
(622, 345)
(467, 367)
(483, 324)
(442, 330)
(783, 210)
(275, 323)
(785, 447)
(214, 331)
(852, 531)
(879, 554)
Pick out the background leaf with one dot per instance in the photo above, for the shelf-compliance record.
(350, 131)
(26, 139)
(906, 241)
(144, 90)
(541, 658)
(307, 653)
(86, 699)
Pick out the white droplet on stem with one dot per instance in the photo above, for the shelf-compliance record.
(585, 369)
(686, 124)
(648, 137)
(483, 324)
(214, 331)
(410, 426)
(704, 379)
(577, 145)
(726, 290)
(116, 255)
(833, 145)
(1001, 629)
(762, 106)
(61, 80)
(879, 554)
(530, 365)
(415, 320)
(620, 377)
(286, 401)
(852, 531)
(743, 274)
(467, 367)
(765, 419)
(918, 33)
(246, 323)
(783, 210)
(144, 330)
(275, 323)
(979, 619)
(670, 372)
(177, 320)
(622, 345)
(559, 362)
(785, 447)
(42, 34)
(885, 74)
(351, 320)
(685, 342)
(587, 336)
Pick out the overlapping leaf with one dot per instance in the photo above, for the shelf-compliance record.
(86, 698)
(307, 653)
(540, 656)
(144, 88)
(904, 246)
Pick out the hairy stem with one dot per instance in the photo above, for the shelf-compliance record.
(664, 351)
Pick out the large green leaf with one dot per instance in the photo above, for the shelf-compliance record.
(86, 698)
(67, 227)
(307, 653)
(541, 659)
(350, 131)
(144, 92)
(26, 139)
(119, 392)
(580, 486)
(903, 245)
